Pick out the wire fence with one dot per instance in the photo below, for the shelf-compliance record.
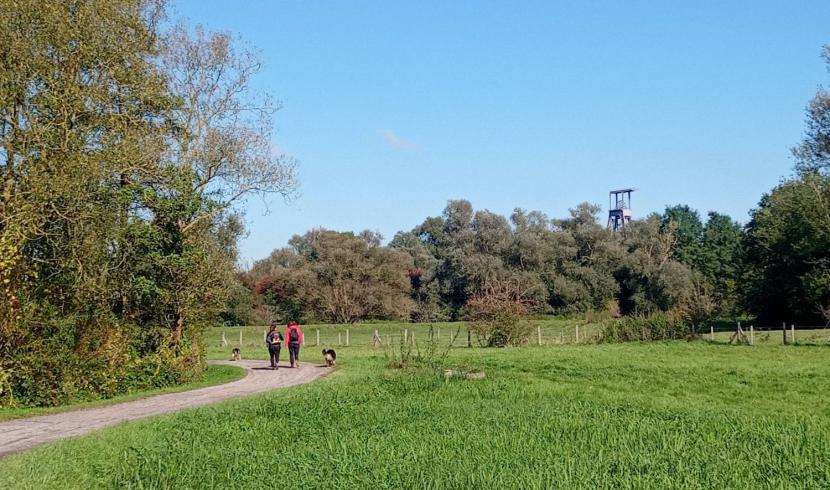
(786, 334)
(379, 335)
(459, 336)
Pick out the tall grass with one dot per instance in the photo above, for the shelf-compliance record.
(657, 415)
(409, 352)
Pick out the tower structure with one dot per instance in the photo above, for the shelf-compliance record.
(619, 209)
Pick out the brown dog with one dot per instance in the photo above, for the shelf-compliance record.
(330, 356)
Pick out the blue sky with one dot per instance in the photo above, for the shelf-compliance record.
(392, 108)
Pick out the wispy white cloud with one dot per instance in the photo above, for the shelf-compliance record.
(396, 141)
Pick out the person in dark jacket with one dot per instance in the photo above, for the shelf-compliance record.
(294, 337)
(274, 340)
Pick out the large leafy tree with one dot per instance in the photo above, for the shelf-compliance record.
(721, 261)
(424, 287)
(581, 277)
(123, 150)
(788, 238)
(220, 152)
(813, 153)
(336, 277)
(650, 279)
(81, 119)
(788, 247)
(684, 223)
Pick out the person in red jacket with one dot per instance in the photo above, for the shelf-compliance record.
(294, 337)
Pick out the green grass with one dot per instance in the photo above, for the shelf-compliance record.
(214, 375)
(661, 415)
(555, 331)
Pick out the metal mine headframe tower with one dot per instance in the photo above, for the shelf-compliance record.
(619, 209)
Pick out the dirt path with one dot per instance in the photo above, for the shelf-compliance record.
(21, 434)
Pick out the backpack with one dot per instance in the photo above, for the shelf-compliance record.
(293, 335)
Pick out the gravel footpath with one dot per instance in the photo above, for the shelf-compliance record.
(22, 434)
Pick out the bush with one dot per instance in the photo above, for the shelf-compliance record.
(6, 399)
(658, 326)
(69, 361)
(498, 317)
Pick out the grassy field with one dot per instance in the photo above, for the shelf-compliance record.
(213, 376)
(676, 415)
(554, 332)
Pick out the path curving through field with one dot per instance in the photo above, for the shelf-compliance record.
(26, 433)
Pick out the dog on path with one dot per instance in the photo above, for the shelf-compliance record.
(330, 356)
(236, 353)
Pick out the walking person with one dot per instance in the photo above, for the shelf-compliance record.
(294, 337)
(274, 341)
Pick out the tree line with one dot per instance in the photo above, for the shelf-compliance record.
(561, 266)
(775, 268)
(126, 141)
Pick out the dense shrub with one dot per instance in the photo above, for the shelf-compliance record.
(658, 326)
(498, 317)
(61, 365)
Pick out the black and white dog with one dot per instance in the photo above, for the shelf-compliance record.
(330, 356)
(237, 355)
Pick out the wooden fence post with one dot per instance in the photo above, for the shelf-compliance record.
(375, 339)
(469, 338)
(318, 337)
(224, 340)
(712, 333)
(413, 337)
(577, 334)
(784, 331)
(347, 337)
(405, 335)
(792, 333)
(751, 335)
(339, 338)
(439, 334)
(539, 333)
(240, 337)
(562, 338)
